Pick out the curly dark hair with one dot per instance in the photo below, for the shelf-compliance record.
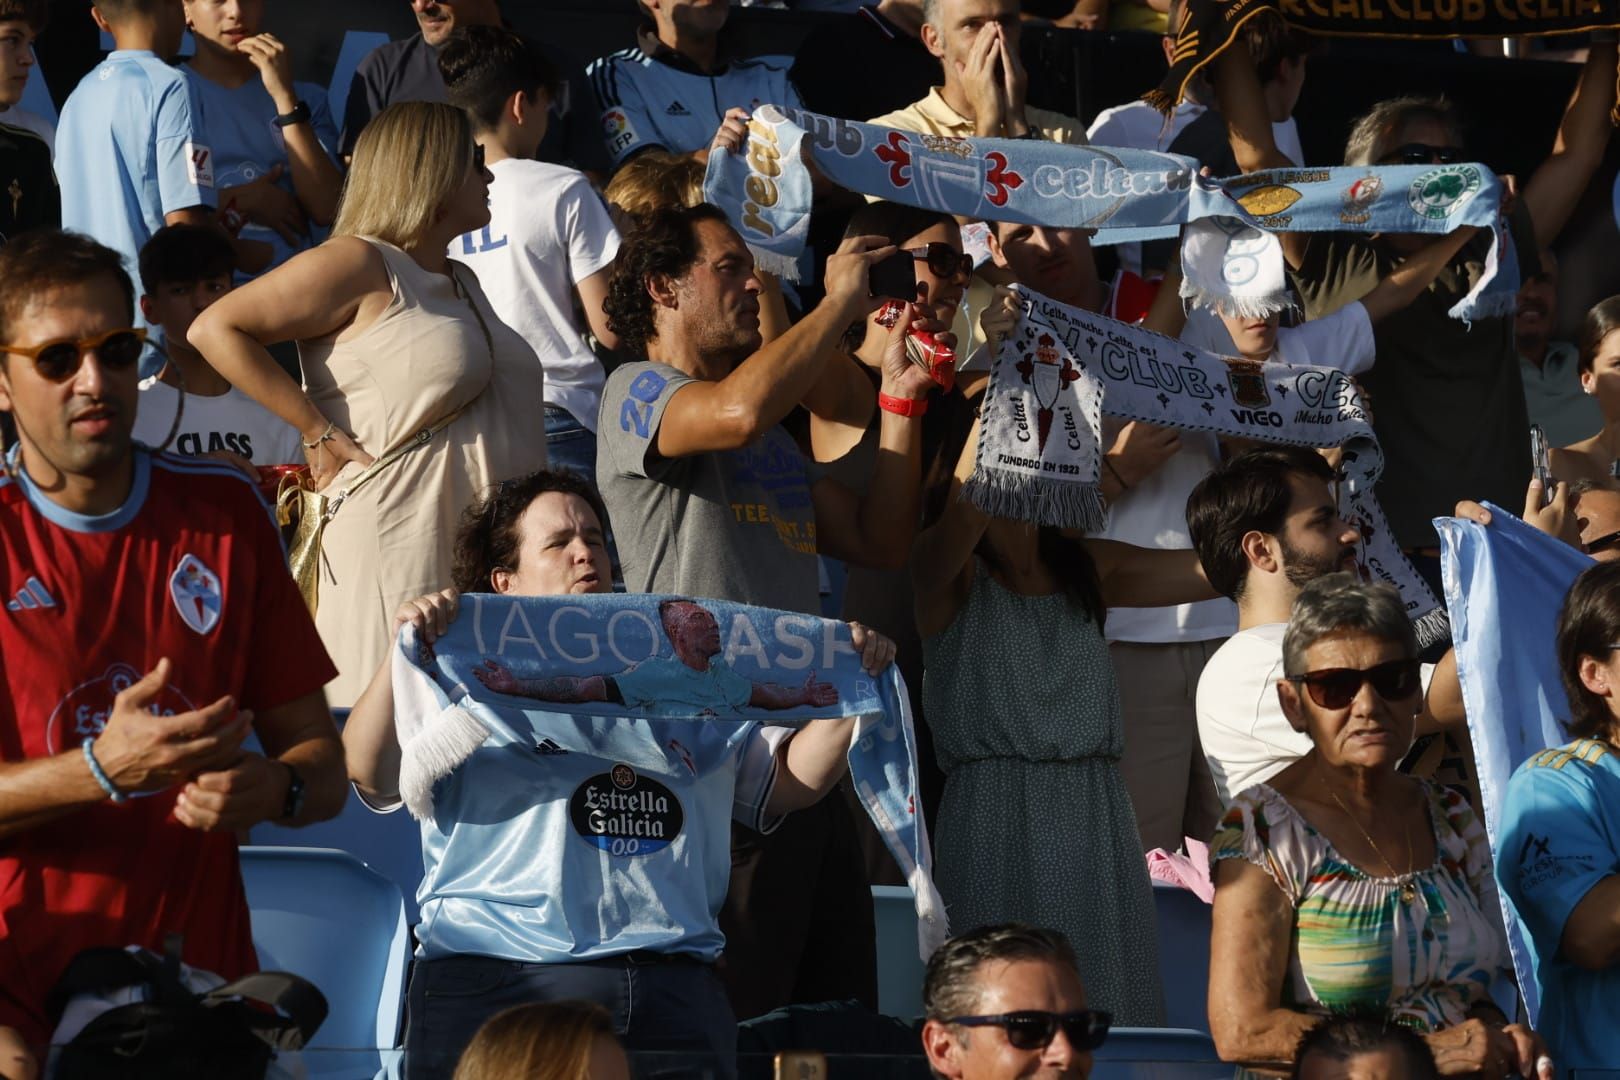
(664, 242)
(489, 535)
(1588, 625)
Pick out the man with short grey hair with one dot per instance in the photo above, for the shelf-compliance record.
(1006, 1001)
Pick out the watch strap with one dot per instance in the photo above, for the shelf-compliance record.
(902, 406)
(299, 115)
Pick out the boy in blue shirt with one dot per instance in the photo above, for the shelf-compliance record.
(132, 150)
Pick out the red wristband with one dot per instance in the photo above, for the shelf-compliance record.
(902, 406)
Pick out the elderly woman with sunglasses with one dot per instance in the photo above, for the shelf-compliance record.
(1343, 883)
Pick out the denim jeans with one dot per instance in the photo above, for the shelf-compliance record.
(656, 1005)
(569, 443)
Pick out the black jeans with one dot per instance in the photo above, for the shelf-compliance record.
(657, 1005)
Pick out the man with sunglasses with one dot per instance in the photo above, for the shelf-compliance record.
(1006, 1001)
(1448, 400)
(149, 625)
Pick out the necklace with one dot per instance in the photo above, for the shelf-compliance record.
(1408, 888)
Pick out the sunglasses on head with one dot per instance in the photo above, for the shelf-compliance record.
(1336, 688)
(1424, 154)
(1031, 1029)
(59, 360)
(943, 260)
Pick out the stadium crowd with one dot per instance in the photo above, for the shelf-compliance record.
(483, 334)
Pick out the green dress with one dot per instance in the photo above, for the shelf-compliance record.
(1035, 825)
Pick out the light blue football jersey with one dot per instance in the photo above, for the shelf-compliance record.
(131, 147)
(247, 144)
(592, 837)
(1560, 836)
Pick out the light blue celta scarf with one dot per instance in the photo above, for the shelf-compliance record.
(1127, 195)
(1060, 368)
(517, 664)
(1505, 584)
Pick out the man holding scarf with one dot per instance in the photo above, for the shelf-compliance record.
(1446, 395)
(692, 449)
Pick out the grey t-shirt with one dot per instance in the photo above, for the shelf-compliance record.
(733, 524)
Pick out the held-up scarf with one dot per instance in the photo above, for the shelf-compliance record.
(444, 711)
(1126, 195)
(1505, 584)
(1060, 368)
(1233, 269)
(1208, 27)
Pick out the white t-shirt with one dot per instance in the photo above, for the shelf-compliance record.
(548, 231)
(1342, 340)
(232, 421)
(1140, 126)
(1246, 738)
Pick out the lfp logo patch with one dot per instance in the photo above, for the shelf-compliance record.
(620, 133)
(625, 814)
(197, 594)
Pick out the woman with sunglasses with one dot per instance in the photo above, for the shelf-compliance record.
(1598, 364)
(400, 352)
(1560, 836)
(844, 423)
(1343, 883)
(1035, 823)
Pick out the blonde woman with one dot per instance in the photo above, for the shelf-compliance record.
(565, 1040)
(399, 347)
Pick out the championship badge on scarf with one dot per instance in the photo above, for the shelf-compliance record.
(519, 665)
(1059, 369)
(1126, 195)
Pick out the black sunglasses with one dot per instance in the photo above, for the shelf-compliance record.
(1601, 543)
(1030, 1029)
(1335, 688)
(59, 360)
(1423, 154)
(943, 260)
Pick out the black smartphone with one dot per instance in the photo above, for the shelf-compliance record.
(1539, 464)
(894, 278)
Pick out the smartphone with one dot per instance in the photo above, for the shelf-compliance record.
(1540, 463)
(801, 1064)
(894, 278)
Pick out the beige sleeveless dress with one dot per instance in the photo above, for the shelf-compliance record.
(424, 358)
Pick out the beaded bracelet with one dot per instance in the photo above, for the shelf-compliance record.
(331, 428)
(100, 774)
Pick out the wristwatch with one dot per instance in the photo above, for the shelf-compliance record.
(299, 115)
(294, 804)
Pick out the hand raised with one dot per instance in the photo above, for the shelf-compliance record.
(848, 280)
(819, 694)
(140, 751)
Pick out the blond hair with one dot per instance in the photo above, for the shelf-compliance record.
(536, 1042)
(656, 180)
(410, 159)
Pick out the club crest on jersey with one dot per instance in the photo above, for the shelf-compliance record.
(196, 593)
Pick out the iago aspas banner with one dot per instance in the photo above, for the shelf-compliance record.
(1125, 194)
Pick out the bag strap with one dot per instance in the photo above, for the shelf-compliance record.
(423, 437)
(297, 999)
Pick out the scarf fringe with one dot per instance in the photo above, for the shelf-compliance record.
(1432, 628)
(783, 266)
(435, 753)
(1161, 101)
(1061, 503)
(1237, 307)
(1493, 304)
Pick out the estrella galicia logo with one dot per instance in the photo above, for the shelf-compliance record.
(1439, 193)
(625, 814)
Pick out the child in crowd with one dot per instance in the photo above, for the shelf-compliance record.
(184, 269)
(25, 153)
(133, 151)
(549, 234)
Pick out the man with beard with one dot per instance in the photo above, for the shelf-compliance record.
(1548, 368)
(1265, 524)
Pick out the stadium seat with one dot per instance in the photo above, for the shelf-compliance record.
(390, 844)
(325, 915)
(900, 969)
(1158, 1054)
(1184, 922)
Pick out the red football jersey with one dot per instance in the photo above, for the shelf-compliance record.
(191, 568)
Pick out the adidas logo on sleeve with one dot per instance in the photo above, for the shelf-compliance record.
(31, 597)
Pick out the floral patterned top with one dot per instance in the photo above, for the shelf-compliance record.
(1357, 941)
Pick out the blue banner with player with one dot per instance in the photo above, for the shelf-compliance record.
(1505, 584)
(525, 666)
(1127, 195)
